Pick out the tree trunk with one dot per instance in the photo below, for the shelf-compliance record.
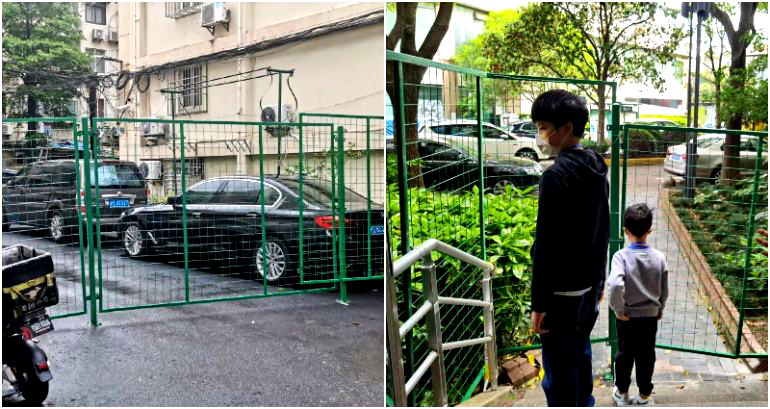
(32, 112)
(738, 45)
(601, 123)
(404, 32)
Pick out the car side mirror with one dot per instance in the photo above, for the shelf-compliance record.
(173, 200)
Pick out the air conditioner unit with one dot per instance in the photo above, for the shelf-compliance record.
(97, 34)
(151, 169)
(113, 38)
(153, 129)
(213, 13)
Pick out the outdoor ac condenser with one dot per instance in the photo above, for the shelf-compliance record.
(213, 13)
(113, 38)
(151, 169)
(97, 34)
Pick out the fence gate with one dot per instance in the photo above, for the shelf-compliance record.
(42, 178)
(450, 157)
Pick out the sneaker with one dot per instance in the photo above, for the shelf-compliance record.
(620, 398)
(641, 400)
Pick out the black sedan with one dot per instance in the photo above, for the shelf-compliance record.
(225, 221)
(446, 167)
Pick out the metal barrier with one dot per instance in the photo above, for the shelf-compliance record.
(430, 311)
(184, 212)
(41, 203)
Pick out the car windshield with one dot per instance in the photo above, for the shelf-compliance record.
(319, 192)
(119, 175)
(706, 141)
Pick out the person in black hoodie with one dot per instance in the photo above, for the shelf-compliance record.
(570, 250)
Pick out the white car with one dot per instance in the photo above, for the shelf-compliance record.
(498, 144)
(708, 165)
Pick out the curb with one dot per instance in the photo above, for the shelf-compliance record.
(710, 289)
(638, 161)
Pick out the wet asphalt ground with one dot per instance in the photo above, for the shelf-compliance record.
(297, 350)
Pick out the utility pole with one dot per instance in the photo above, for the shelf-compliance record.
(92, 107)
(702, 11)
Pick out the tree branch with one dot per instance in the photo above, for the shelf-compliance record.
(395, 34)
(437, 30)
(723, 18)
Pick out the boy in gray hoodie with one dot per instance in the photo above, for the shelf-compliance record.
(638, 289)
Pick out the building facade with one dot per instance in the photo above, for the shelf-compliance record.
(209, 61)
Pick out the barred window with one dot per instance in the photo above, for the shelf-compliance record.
(190, 81)
(97, 63)
(181, 9)
(96, 13)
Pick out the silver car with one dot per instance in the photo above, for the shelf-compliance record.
(708, 164)
(499, 144)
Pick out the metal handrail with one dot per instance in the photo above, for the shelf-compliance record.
(430, 311)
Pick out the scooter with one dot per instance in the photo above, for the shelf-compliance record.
(25, 364)
(29, 286)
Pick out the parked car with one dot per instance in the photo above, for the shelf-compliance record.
(655, 122)
(45, 194)
(498, 143)
(8, 174)
(708, 164)
(224, 216)
(526, 127)
(446, 167)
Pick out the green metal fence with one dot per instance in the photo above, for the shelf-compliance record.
(186, 212)
(458, 171)
(37, 202)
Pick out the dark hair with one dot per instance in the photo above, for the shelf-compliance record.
(638, 219)
(558, 107)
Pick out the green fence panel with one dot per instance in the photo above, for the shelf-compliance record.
(42, 201)
(717, 275)
(248, 221)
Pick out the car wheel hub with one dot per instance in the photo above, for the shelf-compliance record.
(275, 261)
(56, 227)
(132, 240)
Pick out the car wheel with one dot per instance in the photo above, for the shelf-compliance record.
(276, 261)
(134, 241)
(527, 154)
(716, 175)
(56, 228)
(499, 187)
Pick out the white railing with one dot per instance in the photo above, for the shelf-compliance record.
(430, 311)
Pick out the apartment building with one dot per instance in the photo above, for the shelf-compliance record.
(213, 57)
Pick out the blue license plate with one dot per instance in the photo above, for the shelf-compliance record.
(377, 230)
(119, 203)
(676, 157)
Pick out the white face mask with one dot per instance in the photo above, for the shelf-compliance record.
(545, 146)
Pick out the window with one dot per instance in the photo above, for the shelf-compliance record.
(204, 193)
(240, 192)
(493, 133)
(97, 62)
(182, 8)
(194, 95)
(438, 152)
(96, 13)
(117, 176)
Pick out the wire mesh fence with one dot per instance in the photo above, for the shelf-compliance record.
(196, 211)
(460, 170)
(706, 229)
(42, 176)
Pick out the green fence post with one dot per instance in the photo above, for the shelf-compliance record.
(368, 199)
(89, 220)
(301, 265)
(79, 204)
(403, 192)
(749, 246)
(480, 130)
(341, 221)
(184, 211)
(616, 240)
(263, 235)
(98, 206)
(625, 171)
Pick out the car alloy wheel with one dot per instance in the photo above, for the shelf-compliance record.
(133, 241)
(527, 154)
(499, 187)
(55, 226)
(275, 261)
